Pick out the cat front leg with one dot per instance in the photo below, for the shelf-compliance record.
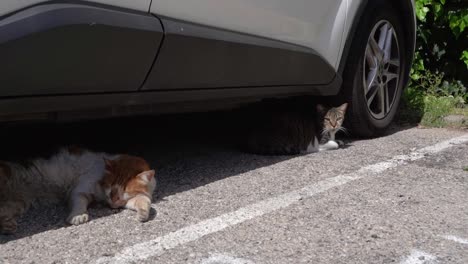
(142, 205)
(8, 226)
(9, 212)
(330, 145)
(340, 143)
(313, 146)
(79, 208)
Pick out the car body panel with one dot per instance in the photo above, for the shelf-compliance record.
(200, 57)
(69, 48)
(8, 6)
(106, 105)
(315, 24)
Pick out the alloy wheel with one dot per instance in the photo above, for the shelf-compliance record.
(381, 73)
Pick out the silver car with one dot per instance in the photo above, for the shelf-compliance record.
(62, 59)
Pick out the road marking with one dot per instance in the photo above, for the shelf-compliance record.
(162, 244)
(419, 257)
(456, 239)
(225, 259)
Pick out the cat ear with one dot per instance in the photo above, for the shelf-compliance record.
(321, 109)
(108, 164)
(343, 107)
(147, 175)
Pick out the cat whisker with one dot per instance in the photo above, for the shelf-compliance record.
(344, 130)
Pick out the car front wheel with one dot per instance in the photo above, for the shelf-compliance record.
(374, 76)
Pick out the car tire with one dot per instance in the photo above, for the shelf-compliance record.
(375, 71)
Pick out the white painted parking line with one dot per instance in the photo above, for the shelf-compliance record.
(160, 245)
(457, 239)
(225, 259)
(419, 257)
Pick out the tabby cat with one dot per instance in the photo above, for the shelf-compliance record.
(295, 131)
(79, 177)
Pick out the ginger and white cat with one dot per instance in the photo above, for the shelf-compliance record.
(78, 177)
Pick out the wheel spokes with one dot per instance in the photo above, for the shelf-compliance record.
(388, 43)
(384, 100)
(371, 58)
(371, 95)
(371, 79)
(394, 62)
(383, 35)
(389, 76)
(377, 52)
(381, 69)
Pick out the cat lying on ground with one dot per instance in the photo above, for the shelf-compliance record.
(77, 177)
(295, 131)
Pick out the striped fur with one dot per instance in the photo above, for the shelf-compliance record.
(292, 132)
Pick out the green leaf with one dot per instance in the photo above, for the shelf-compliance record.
(438, 10)
(421, 9)
(464, 57)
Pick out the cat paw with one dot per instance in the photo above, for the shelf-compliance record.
(78, 219)
(8, 226)
(340, 143)
(330, 145)
(143, 215)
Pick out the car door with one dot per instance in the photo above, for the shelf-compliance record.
(49, 47)
(316, 24)
(247, 43)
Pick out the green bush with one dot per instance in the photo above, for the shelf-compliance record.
(429, 99)
(436, 108)
(429, 110)
(442, 39)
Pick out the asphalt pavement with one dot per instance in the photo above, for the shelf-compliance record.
(400, 198)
